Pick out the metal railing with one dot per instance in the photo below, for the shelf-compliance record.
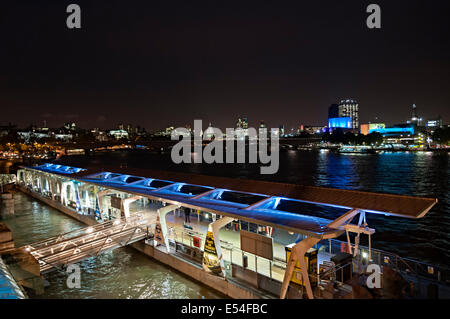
(383, 258)
(6, 179)
(86, 242)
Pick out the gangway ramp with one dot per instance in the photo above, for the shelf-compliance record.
(55, 252)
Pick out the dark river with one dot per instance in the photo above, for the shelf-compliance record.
(421, 174)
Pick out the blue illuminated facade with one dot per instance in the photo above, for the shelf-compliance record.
(391, 131)
(342, 122)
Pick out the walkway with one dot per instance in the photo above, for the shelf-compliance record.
(87, 242)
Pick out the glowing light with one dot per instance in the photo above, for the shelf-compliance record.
(89, 230)
(343, 122)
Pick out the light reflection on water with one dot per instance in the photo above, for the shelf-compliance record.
(122, 273)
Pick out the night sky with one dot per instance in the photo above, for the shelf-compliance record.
(154, 63)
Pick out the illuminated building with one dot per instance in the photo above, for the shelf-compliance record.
(434, 123)
(415, 119)
(365, 128)
(344, 115)
(395, 130)
(312, 129)
(341, 122)
(399, 134)
(118, 134)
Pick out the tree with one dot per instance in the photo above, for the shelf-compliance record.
(11, 137)
(373, 138)
(442, 136)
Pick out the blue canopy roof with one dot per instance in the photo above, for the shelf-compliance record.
(256, 208)
(311, 209)
(59, 169)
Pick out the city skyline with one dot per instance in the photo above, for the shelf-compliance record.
(160, 65)
(252, 123)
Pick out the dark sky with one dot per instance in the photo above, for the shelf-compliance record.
(155, 63)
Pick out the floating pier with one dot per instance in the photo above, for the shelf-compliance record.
(239, 231)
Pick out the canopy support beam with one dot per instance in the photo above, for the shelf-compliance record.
(298, 254)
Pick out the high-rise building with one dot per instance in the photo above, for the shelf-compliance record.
(344, 115)
(333, 111)
(349, 108)
(414, 116)
(415, 119)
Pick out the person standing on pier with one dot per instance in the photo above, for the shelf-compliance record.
(187, 212)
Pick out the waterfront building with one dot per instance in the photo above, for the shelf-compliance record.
(340, 122)
(406, 134)
(261, 227)
(167, 132)
(312, 129)
(63, 137)
(365, 128)
(434, 123)
(344, 115)
(32, 134)
(118, 134)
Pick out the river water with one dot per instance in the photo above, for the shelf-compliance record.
(122, 273)
(408, 173)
